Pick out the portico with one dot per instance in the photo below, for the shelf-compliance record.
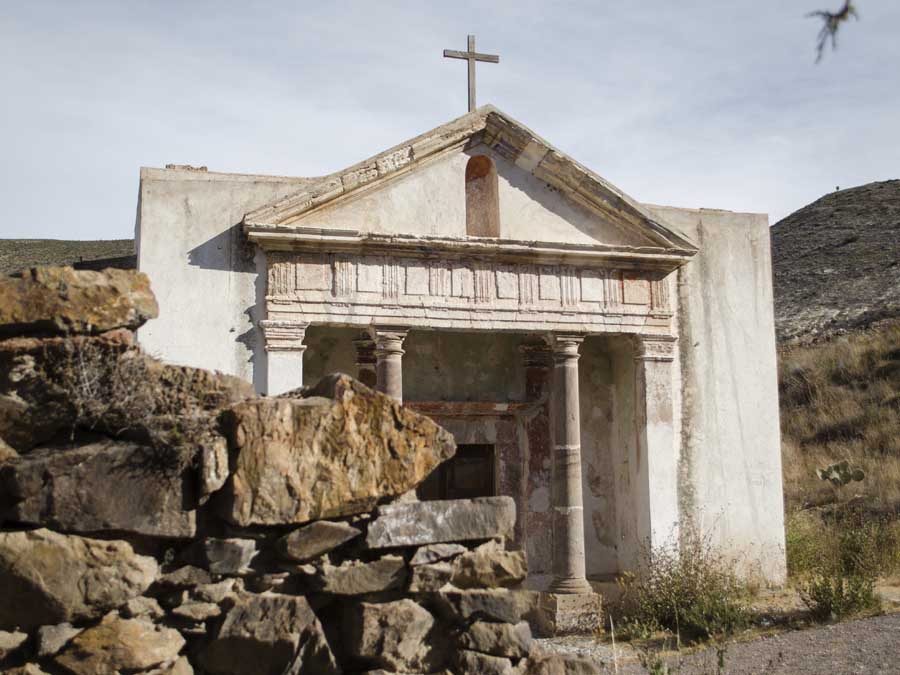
(377, 290)
(591, 359)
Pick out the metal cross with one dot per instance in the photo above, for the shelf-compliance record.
(471, 56)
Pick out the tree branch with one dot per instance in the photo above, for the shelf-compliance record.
(831, 23)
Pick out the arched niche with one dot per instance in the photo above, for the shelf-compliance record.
(482, 201)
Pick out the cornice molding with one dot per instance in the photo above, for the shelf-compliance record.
(506, 250)
(507, 137)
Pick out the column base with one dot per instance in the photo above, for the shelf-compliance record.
(569, 614)
(570, 585)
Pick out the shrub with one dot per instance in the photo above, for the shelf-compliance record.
(835, 595)
(122, 392)
(691, 591)
(836, 557)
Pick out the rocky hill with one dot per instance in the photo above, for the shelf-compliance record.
(837, 263)
(18, 254)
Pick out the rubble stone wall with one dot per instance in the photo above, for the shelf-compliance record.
(163, 519)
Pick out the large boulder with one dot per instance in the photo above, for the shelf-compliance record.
(47, 384)
(65, 384)
(484, 604)
(336, 451)
(390, 635)
(55, 300)
(419, 523)
(49, 578)
(109, 485)
(498, 639)
(116, 645)
(269, 635)
(490, 566)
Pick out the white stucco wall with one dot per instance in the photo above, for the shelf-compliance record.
(206, 277)
(431, 201)
(730, 484)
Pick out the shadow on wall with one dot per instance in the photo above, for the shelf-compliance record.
(565, 208)
(231, 251)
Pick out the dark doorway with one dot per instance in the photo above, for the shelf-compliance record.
(469, 473)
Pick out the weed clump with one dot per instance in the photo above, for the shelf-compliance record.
(121, 392)
(691, 591)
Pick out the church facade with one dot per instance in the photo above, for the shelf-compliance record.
(608, 364)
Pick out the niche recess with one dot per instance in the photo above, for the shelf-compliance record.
(482, 202)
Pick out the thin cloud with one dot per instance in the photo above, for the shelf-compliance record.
(695, 104)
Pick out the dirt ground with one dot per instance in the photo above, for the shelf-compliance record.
(865, 646)
(869, 646)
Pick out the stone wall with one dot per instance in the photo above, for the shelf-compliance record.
(163, 519)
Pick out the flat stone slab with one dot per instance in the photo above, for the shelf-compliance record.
(315, 539)
(435, 552)
(107, 486)
(358, 578)
(420, 523)
(62, 300)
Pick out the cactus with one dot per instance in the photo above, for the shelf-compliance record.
(840, 474)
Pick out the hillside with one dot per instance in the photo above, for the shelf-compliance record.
(17, 254)
(837, 262)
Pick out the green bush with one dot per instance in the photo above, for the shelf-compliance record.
(691, 592)
(834, 595)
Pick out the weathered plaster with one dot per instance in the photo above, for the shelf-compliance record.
(691, 439)
(731, 485)
(205, 275)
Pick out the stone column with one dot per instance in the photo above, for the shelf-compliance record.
(365, 360)
(389, 360)
(566, 498)
(657, 488)
(284, 354)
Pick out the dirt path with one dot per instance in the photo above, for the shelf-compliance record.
(865, 646)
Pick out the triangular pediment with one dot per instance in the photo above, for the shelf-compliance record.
(508, 141)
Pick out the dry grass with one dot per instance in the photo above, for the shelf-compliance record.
(841, 401)
(125, 393)
(690, 592)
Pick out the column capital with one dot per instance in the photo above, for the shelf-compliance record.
(388, 339)
(655, 348)
(565, 346)
(284, 336)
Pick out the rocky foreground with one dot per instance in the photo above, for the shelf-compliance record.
(164, 519)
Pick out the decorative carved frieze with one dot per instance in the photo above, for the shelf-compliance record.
(361, 289)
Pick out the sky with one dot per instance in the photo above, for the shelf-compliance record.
(697, 103)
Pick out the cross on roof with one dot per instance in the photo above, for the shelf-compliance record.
(471, 56)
